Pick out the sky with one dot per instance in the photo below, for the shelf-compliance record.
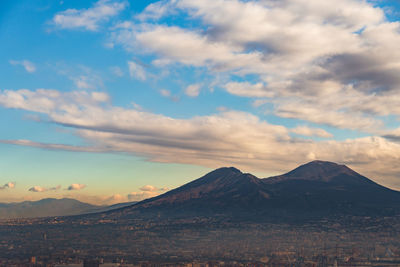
(111, 101)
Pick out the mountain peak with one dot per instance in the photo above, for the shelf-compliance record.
(227, 170)
(317, 187)
(319, 168)
(316, 170)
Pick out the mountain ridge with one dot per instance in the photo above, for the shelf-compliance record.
(315, 188)
(49, 207)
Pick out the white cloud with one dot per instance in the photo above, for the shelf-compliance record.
(40, 189)
(223, 139)
(247, 89)
(28, 65)
(174, 44)
(157, 10)
(307, 131)
(89, 19)
(193, 90)
(136, 71)
(9, 185)
(320, 114)
(100, 97)
(83, 82)
(76, 187)
(334, 64)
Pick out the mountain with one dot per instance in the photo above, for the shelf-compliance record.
(318, 188)
(52, 207)
(331, 188)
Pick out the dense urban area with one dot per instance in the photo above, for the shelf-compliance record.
(62, 241)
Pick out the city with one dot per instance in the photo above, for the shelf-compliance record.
(200, 242)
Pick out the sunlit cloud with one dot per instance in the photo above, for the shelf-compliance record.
(40, 189)
(76, 187)
(90, 18)
(148, 188)
(331, 66)
(307, 131)
(223, 139)
(136, 71)
(9, 185)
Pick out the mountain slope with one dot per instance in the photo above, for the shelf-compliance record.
(216, 191)
(329, 187)
(317, 188)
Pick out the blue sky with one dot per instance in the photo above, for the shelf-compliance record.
(99, 99)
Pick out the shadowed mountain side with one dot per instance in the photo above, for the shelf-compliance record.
(326, 185)
(225, 190)
(45, 207)
(314, 189)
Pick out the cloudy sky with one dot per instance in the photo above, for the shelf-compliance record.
(109, 101)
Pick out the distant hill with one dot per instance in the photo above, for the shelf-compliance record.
(51, 207)
(317, 188)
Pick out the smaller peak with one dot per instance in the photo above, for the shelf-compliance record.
(228, 169)
(321, 162)
(319, 170)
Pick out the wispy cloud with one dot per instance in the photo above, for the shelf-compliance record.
(247, 89)
(28, 65)
(157, 10)
(147, 191)
(117, 71)
(167, 93)
(83, 77)
(90, 18)
(148, 188)
(136, 71)
(40, 189)
(307, 131)
(193, 90)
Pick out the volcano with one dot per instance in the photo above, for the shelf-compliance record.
(318, 188)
